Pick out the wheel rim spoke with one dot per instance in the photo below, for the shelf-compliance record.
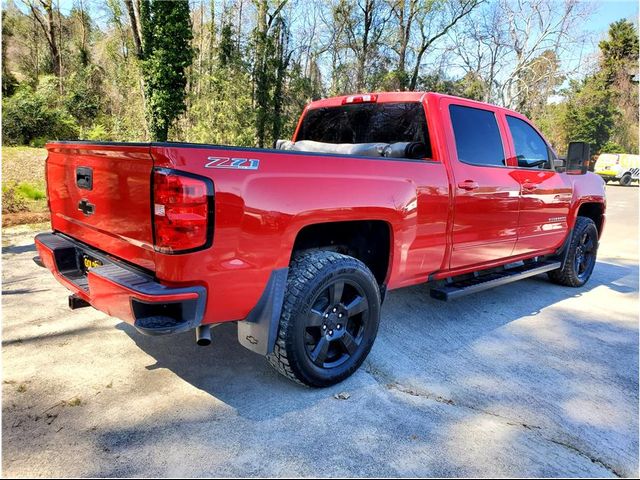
(585, 256)
(331, 335)
(309, 339)
(588, 247)
(315, 318)
(335, 292)
(356, 306)
(348, 343)
(319, 353)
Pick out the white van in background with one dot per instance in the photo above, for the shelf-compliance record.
(618, 166)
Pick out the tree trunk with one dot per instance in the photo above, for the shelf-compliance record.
(262, 87)
(200, 50)
(134, 18)
(283, 63)
(212, 43)
(362, 60)
(48, 26)
(239, 26)
(405, 21)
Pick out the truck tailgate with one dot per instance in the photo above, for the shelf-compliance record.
(100, 194)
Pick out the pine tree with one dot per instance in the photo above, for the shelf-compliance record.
(620, 49)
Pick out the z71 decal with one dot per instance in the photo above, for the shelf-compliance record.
(236, 163)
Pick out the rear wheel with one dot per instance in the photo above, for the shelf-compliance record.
(329, 319)
(581, 257)
(625, 180)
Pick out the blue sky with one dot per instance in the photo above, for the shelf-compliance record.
(596, 27)
(609, 11)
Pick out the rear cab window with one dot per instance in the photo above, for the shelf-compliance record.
(386, 122)
(477, 136)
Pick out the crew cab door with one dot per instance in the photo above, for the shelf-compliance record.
(486, 194)
(545, 195)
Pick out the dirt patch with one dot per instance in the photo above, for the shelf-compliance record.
(22, 218)
(23, 185)
(23, 164)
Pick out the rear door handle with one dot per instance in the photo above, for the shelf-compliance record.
(468, 185)
(529, 186)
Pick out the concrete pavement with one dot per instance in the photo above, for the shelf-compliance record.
(529, 379)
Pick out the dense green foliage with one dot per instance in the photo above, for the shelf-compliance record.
(167, 53)
(241, 71)
(31, 116)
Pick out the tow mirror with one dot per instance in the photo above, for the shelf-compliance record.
(578, 157)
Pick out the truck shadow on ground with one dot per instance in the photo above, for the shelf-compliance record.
(412, 324)
(13, 249)
(521, 373)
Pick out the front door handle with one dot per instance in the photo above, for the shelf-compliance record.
(468, 185)
(529, 186)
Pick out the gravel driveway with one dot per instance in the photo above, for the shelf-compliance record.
(530, 379)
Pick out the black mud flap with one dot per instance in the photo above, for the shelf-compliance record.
(259, 330)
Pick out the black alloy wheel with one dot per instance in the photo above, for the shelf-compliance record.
(329, 319)
(336, 324)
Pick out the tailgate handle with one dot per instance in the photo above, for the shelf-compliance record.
(84, 178)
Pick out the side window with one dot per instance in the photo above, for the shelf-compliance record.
(477, 136)
(531, 149)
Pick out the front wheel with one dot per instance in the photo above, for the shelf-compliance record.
(329, 319)
(625, 180)
(581, 257)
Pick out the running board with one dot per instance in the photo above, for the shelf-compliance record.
(451, 291)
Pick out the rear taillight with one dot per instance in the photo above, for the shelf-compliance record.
(182, 211)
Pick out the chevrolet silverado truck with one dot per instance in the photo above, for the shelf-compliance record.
(299, 244)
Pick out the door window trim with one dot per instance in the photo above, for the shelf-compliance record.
(501, 132)
(512, 146)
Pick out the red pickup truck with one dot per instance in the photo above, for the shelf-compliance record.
(298, 245)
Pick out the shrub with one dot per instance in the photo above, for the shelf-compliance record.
(82, 100)
(612, 147)
(30, 191)
(96, 133)
(29, 116)
(12, 201)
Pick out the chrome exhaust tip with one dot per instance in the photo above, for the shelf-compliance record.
(203, 335)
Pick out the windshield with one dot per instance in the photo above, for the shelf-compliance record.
(366, 123)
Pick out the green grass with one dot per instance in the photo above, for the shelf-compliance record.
(31, 192)
(23, 179)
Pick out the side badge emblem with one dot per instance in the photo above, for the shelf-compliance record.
(87, 208)
(233, 163)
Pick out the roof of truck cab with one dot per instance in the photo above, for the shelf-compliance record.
(382, 97)
(385, 97)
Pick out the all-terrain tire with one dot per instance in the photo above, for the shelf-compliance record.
(625, 180)
(581, 257)
(308, 316)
